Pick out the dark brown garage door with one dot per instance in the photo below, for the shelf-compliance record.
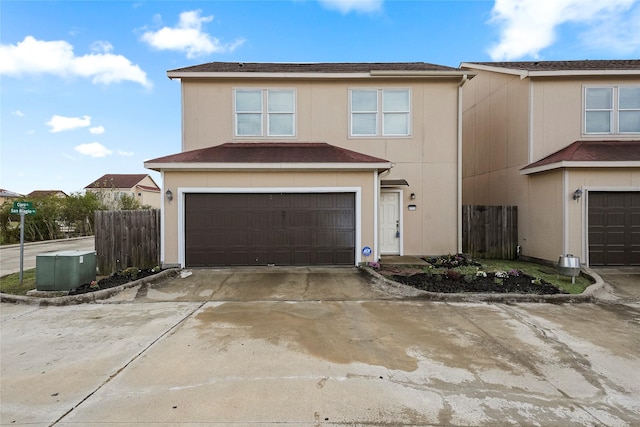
(614, 228)
(262, 229)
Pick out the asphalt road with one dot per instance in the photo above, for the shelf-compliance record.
(315, 347)
(10, 254)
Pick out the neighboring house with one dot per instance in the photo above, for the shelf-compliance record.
(47, 193)
(313, 164)
(8, 196)
(141, 187)
(561, 141)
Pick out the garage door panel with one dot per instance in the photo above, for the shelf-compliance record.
(614, 228)
(260, 229)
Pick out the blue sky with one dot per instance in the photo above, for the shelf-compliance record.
(83, 86)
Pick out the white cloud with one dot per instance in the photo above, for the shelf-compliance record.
(125, 153)
(188, 36)
(35, 57)
(346, 6)
(93, 149)
(97, 130)
(18, 113)
(528, 26)
(61, 123)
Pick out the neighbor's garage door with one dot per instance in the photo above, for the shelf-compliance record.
(614, 228)
(261, 229)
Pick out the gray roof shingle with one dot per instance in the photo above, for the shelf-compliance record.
(579, 65)
(319, 67)
(592, 151)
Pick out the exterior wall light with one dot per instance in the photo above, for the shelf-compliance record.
(169, 195)
(413, 196)
(577, 194)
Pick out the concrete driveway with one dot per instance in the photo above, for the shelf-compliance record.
(314, 348)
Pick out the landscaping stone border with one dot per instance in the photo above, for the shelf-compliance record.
(589, 295)
(88, 297)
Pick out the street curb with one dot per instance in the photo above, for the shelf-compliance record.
(588, 296)
(42, 242)
(89, 297)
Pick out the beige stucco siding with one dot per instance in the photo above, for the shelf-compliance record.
(495, 130)
(558, 113)
(427, 158)
(540, 227)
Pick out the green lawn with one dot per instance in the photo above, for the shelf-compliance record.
(10, 284)
(545, 272)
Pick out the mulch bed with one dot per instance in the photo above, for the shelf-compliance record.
(443, 279)
(522, 284)
(116, 279)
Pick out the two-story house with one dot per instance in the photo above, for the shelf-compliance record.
(112, 186)
(561, 141)
(313, 164)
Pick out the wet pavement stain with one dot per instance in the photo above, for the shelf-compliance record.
(324, 330)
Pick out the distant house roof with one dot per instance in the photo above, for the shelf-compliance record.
(590, 154)
(8, 194)
(318, 69)
(267, 155)
(119, 181)
(45, 193)
(551, 68)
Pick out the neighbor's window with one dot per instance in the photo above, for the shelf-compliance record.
(380, 112)
(612, 110)
(265, 112)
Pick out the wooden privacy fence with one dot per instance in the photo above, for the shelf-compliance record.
(490, 231)
(127, 239)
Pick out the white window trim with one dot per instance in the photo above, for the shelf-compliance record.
(264, 114)
(614, 112)
(380, 113)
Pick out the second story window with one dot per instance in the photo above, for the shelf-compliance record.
(380, 112)
(612, 110)
(265, 112)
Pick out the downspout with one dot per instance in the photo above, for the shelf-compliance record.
(459, 166)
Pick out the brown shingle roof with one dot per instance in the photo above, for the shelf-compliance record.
(605, 64)
(319, 67)
(45, 193)
(111, 180)
(592, 151)
(270, 152)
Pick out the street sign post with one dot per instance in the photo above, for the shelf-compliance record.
(22, 209)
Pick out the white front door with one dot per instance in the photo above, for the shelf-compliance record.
(389, 216)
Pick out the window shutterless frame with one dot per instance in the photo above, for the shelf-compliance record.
(264, 112)
(379, 112)
(611, 110)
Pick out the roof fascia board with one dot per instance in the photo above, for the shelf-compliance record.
(372, 73)
(570, 164)
(561, 73)
(268, 166)
(584, 73)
